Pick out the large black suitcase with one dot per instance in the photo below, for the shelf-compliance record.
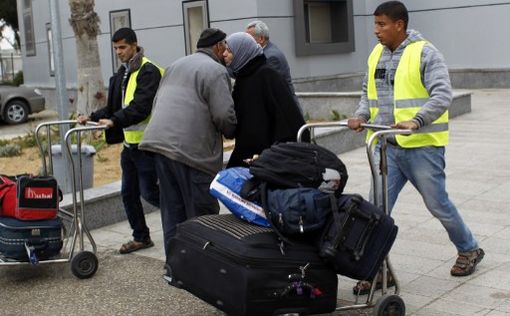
(43, 236)
(242, 269)
(357, 238)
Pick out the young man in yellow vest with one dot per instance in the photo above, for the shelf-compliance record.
(407, 86)
(130, 95)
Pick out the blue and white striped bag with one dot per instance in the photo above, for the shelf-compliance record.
(227, 186)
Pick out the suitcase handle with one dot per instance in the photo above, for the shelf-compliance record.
(34, 246)
(352, 212)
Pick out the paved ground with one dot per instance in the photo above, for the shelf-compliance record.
(11, 131)
(478, 182)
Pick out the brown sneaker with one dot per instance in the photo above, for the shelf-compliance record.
(134, 245)
(466, 262)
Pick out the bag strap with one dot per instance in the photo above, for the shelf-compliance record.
(263, 198)
(352, 213)
(373, 220)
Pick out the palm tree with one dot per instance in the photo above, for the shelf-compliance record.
(85, 23)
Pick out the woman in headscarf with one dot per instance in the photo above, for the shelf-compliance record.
(265, 108)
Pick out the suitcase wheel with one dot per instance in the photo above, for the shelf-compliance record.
(391, 305)
(84, 265)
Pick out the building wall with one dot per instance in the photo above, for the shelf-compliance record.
(465, 31)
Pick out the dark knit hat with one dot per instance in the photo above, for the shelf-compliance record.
(209, 37)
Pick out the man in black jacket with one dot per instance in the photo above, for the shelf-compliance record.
(130, 95)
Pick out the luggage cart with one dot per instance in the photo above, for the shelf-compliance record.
(83, 263)
(388, 303)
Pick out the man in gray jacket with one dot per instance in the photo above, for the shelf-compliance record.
(192, 109)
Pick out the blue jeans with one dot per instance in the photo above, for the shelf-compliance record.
(139, 178)
(424, 168)
(184, 195)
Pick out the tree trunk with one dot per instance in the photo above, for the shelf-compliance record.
(90, 85)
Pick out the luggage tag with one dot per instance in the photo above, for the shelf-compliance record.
(31, 254)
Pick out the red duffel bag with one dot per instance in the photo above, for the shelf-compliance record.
(30, 198)
(7, 196)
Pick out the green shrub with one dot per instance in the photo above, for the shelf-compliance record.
(18, 78)
(336, 116)
(10, 150)
(26, 141)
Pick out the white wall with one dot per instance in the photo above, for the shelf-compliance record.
(471, 34)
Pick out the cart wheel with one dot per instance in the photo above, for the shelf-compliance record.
(390, 305)
(84, 264)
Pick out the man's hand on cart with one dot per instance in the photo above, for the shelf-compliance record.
(412, 125)
(82, 119)
(355, 123)
(106, 122)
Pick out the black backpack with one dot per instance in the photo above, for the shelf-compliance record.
(294, 165)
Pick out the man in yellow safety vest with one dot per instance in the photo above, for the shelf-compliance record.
(407, 86)
(130, 95)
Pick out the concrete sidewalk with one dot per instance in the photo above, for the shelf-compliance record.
(478, 182)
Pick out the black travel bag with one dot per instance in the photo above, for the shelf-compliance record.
(243, 269)
(296, 165)
(357, 237)
(30, 240)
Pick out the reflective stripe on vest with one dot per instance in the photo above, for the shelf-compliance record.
(409, 96)
(134, 133)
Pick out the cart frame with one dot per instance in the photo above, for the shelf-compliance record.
(84, 263)
(381, 132)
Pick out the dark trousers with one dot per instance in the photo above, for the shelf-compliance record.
(184, 195)
(139, 178)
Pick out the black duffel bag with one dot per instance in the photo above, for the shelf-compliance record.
(295, 165)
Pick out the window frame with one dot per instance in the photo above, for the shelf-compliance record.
(51, 52)
(304, 48)
(115, 14)
(188, 45)
(30, 46)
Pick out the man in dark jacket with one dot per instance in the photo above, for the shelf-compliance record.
(275, 57)
(130, 95)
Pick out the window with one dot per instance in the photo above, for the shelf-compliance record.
(195, 20)
(49, 37)
(28, 24)
(323, 27)
(118, 20)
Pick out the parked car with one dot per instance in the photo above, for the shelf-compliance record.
(16, 103)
